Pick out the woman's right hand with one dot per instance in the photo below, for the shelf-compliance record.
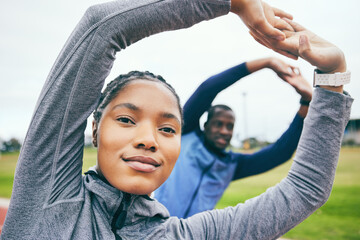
(322, 54)
(305, 44)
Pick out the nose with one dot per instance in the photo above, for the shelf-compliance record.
(146, 138)
(225, 131)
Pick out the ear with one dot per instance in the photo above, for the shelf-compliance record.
(205, 124)
(94, 133)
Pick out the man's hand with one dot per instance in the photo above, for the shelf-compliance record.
(281, 68)
(299, 83)
(292, 76)
(262, 20)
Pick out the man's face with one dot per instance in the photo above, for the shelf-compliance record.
(219, 129)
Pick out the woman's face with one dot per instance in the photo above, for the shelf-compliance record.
(138, 137)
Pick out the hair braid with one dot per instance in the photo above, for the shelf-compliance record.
(114, 87)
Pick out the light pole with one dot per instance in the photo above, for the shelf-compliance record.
(246, 144)
(244, 114)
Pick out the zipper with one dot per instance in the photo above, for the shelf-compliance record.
(197, 189)
(120, 215)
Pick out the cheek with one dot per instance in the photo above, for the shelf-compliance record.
(172, 151)
(212, 132)
(111, 139)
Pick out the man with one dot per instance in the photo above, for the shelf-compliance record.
(204, 168)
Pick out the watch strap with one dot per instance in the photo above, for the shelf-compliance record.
(334, 79)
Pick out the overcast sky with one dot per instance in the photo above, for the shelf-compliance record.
(33, 32)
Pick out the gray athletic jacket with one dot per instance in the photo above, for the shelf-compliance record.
(52, 200)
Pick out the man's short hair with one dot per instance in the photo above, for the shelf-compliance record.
(212, 109)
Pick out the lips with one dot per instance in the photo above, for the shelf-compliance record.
(222, 141)
(142, 163)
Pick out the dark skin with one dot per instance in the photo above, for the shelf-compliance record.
(218, 130)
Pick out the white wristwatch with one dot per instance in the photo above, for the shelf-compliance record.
(334, 79)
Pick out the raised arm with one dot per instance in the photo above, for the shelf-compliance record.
(309, 182)
(289, 74)
(50, 163)
(306, 188)
(282, 150)
(204, 95)
(272, 155)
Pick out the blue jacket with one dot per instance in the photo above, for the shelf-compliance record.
(201, 175)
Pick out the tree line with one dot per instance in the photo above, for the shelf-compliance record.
(11, 145)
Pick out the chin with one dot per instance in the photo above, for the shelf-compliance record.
(137, 189)
(140, 192)
(222, 147)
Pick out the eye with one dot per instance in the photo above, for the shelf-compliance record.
(167, 130)
(125, 120)
(230, 127)
(218, 124)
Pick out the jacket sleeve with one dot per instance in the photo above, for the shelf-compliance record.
(203, 96)
(305, 189)
(272, 155)
(49, 166)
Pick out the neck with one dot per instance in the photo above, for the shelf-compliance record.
(213, 149)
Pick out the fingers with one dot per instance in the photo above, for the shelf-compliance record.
(282, 14)
(290, 45)
(272, 45)
(283, 68)
(297, 71)
(282, 25)
(290, 79)
(297, 27)
(294, 70)
(259, 38)
(288, 34)
(278, 47)
(269, 31)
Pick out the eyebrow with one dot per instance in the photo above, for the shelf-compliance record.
(126, 105)
(135, 108)
(170, 116)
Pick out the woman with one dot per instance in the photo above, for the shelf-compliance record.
(136, 130)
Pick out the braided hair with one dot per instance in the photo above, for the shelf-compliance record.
(115, 86)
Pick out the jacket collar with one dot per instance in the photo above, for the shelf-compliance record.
(109, 199)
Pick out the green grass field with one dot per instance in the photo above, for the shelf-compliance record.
(339, 218)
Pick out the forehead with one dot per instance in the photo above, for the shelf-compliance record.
(223, 114)
(142, 85)
(147, 93)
